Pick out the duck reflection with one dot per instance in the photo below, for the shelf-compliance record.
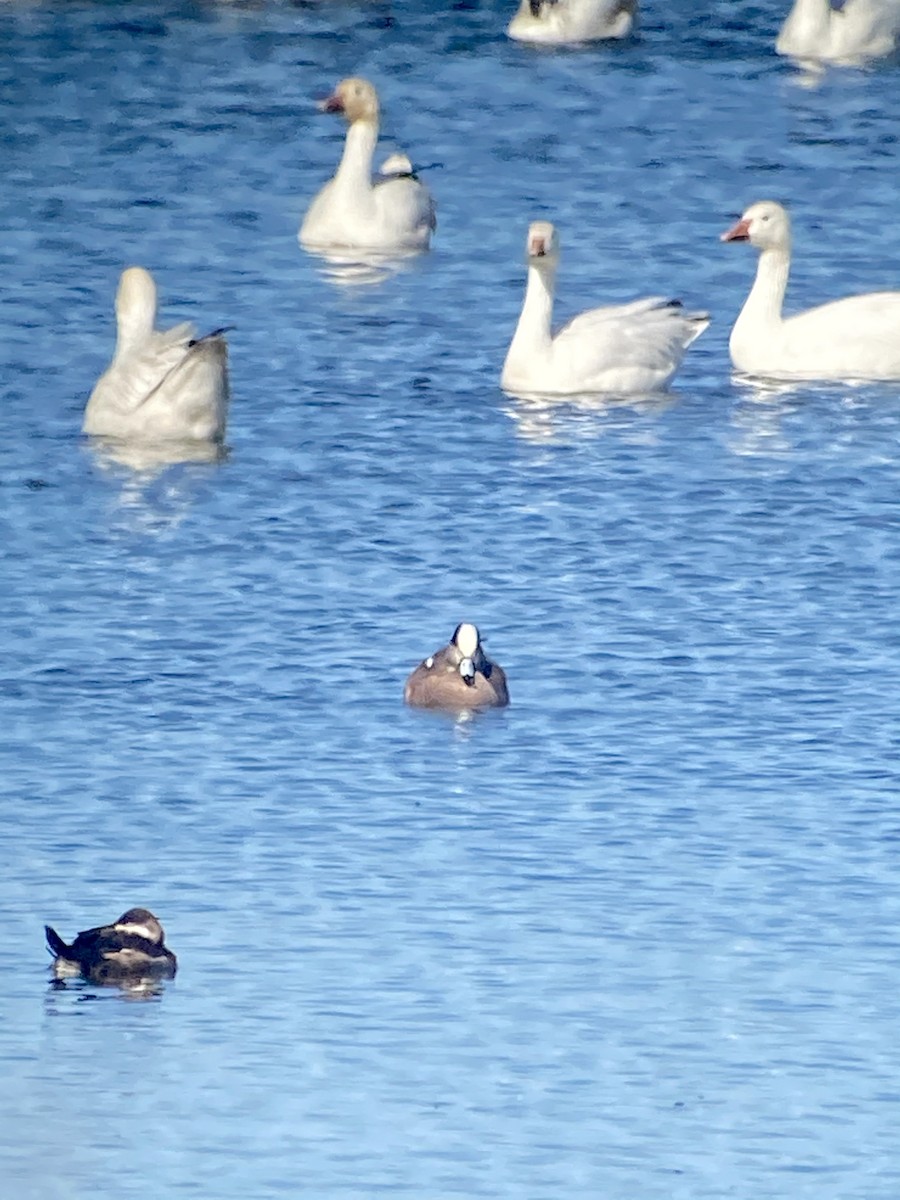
(83, 992)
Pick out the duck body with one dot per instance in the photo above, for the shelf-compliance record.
(621, 348)
(556, 22)
(862, 29)
(160, 385)
(393, 211)
(458, 677)
(857, 337)
(128, 951)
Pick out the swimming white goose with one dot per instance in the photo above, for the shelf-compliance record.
(854, 338)
(393, 212)
(862, 29)
(555, 22)
(160, 385)
(622, 348)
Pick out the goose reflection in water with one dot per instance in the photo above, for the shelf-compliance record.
(157, 480)
(152, 458)
(574, 418)
(358, 268)
(762, 418)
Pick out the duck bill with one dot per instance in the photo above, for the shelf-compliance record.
(467, 670)
(737, 233)
(331, 104)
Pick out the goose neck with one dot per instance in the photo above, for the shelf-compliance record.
(134, 328)
(355, 168)
(537, 309)
(764, 304)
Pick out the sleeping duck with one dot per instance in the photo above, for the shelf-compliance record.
(126, 952)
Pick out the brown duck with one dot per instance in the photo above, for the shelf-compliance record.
(127, 951)
(458, 677)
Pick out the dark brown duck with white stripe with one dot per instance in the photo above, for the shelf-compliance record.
(129, 951)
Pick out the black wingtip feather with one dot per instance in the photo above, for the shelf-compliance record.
(207, 337)
(55, 944)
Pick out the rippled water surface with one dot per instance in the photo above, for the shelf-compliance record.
(635, 936)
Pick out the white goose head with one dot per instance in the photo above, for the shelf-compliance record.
(765, 225)
(542, 243)
(355, 98)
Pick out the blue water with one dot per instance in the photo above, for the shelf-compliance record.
(635, 936)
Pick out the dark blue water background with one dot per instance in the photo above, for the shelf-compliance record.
(636, 936)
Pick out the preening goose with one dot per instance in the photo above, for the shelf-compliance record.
(861, 30)
(556, 22)
(394, 211)
(622, 348)
(160, 385)
(457, 677)
(854, 338)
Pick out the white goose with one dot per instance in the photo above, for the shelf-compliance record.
(394, 212)
(854, 338)
(160, 385)
(556, 22)
(622, 348)
(860, 30)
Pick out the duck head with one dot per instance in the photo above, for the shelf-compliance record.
(467, 641)
(140, 922)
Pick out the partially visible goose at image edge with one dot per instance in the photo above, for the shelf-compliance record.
(458, 677)
(621, 348)
(353, 210)
(557, 22)
(160, 385)
(854, 338)
(127, 951)
(862, 29)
